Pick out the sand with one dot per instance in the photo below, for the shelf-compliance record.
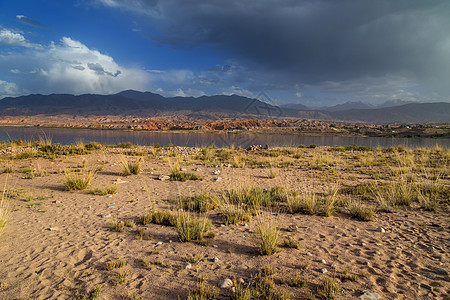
(56, 245)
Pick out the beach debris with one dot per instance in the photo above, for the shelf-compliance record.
(226, 283)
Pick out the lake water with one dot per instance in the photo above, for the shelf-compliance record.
(73, 136)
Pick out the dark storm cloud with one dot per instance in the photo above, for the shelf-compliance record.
(99, 70)
(311, 42)
(28, 21)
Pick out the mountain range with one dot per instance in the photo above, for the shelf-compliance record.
(147, 104)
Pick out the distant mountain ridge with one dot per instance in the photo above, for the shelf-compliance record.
(147, 104)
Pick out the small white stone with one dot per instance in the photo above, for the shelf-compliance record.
(188, 266)
(215, 259)
(159, 243)
(380, 229)
(226, 283)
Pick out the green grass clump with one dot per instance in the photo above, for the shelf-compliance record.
(292, 243)
(193, 259)
(125, 145)
(347, 276)
(266, 236)
(267, 271)
(328, 289)
(78, 181)
(163, 217)
(177, 175)
(307, 204)
(234, 213)
(199, 203)
(191, 228)
(117, 226)
(361, 212)
(121, 277)
(8, 169)
(116, 264)
(93, 294)
(298, 281)
(131, 167)
(203, 292)
(107, 190)
(254, 197)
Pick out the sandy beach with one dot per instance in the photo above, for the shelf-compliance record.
(60, 244)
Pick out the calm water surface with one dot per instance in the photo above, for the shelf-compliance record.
(72, 136)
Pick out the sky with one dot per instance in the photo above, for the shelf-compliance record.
(317, 53)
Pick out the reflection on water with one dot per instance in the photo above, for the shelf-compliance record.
(72, 136)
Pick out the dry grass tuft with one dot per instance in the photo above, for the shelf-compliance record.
(191, 228)
(78, 181)
(130, 167)
(266, 236)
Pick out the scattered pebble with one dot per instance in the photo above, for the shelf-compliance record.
(323, 270)
(323, 261)
(431, 248)
(377, 252)
(333, 266)
(57, 201)
(431, 276)
(356, 229)
(308, 253)
(188, 266)
(216, 172)
(163, 177)
(292, 228)
(52, 229)
(106, 216)
(215, 259)
(159, 243)
(111, 206)
(362, 244)
(441, 271)
(218, 179)
(215, 246)
(366, 263)
(226, 283)
(334, 226)
(368, 295)
(380, 229)
(109, 196)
